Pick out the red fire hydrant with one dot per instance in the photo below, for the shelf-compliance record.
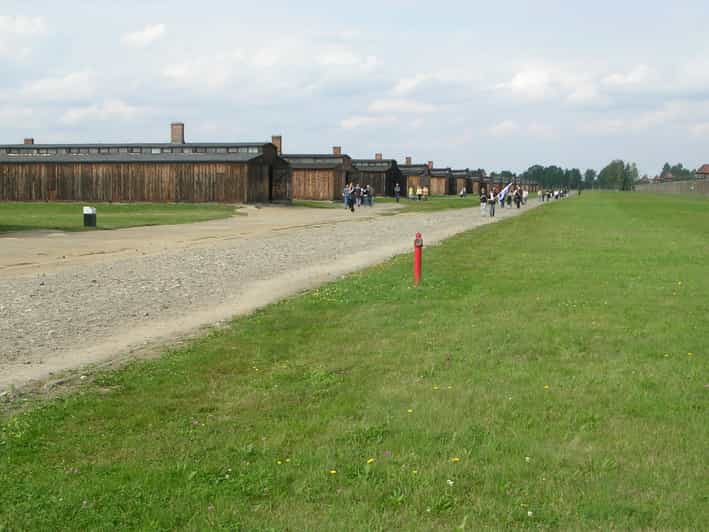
(418, 253)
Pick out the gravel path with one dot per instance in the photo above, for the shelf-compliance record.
(55, 321)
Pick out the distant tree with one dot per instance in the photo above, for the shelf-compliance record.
(589, 178)
(630, 176)
(612, 176)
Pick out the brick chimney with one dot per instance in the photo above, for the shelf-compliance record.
(378, 156)
(408, 161)
(337, 150)
(430, 164)
(277, 141)
(177, 133)
(29, 141)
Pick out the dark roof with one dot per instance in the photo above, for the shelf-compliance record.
(138, 145)
(132, 158)
(440, 172)
(461, 173)
(132, 152)
(413, 169)
(704, 169)
(316, 160)
(374, 165)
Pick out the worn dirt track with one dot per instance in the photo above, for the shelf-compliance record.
(68, 300)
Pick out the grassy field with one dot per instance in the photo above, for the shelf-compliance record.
(551, 372)
(68, 216)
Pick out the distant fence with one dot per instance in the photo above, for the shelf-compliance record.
(700, 186)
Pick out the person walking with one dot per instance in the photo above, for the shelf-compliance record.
(351, 198)
(397, 192)
(365, 195)
(483, 202)
(518, 197)
(419, 192)
(491, 201)
(346, 196)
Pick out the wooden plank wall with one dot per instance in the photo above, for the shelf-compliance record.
(439, 186)
(377, 180)
(312, 184)
(281, 183)
(156, 182)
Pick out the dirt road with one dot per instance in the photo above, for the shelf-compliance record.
(72, 299)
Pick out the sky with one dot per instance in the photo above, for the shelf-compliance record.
(495, 85)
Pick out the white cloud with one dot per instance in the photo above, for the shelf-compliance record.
(10, 115)
(540, 130)
(355, 122)
(144, 37)
(108, 110)
(700, 130)
(504, 128)
(21, 26)
(72, 86)
(16, 32)
(639, 75)
(406, 85)
(399, 105)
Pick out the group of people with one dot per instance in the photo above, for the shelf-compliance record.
(548, 195)
(355, 195)
(506, 196)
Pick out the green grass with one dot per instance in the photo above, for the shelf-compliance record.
(435, 203)
(550, 372)
(68, 216)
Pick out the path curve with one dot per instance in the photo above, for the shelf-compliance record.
(102, 302)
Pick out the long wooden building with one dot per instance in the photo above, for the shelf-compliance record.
(463, 181)
(319, 176)
(442, 183)
(381, 174)
(416, 175)
(151, 172)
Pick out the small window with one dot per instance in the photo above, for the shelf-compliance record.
(233, 149)
(93, 150)
(220, 150)
(123, 150)
(200, 150)
(113, 149)
(103, 150)
(83, 151)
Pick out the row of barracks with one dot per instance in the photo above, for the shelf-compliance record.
(178, 171)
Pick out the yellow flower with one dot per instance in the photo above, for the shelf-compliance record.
(410, 411)
(414, 472)
(435, 387)
(333, 471)
(287, 460)
(370, 461)
(455, 459)
(279, 462)
(546, 386)
(690, 354)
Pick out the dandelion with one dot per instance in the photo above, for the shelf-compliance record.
(435, 387)
(546, 386)
(527, 459)
(414, 472)
(450, 483)
(287, 460)
(410, 411)
(450, 387)
(279, 462)
(333, 471)
(455, 459)
(690, 354)
(370, 461)
(529, 513)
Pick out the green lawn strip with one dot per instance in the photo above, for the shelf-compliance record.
(312, 204)
(550, 372)
(434, 203)
(69, 217)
